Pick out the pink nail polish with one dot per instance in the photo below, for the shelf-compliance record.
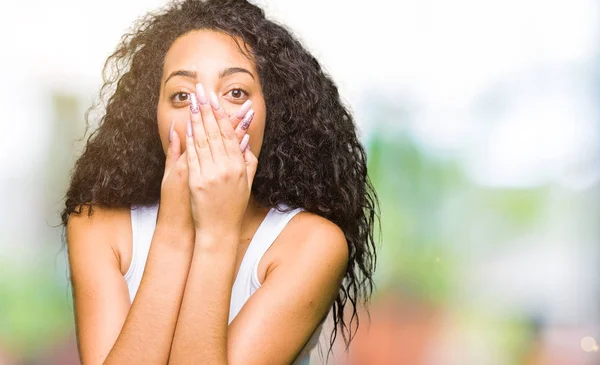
(194, 104)
(247, 119)
(171, 130)
(244, 142)
(244, 109)
(201, 94)
(214, 101)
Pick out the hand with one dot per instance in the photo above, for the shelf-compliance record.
(220, 174)
(175, 208)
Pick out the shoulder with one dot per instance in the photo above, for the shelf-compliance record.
(106, 230)
(105, 222)
(311, 240)
(316, 232)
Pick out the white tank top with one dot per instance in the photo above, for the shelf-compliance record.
(143, 221)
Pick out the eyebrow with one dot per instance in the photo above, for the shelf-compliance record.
(232, 70)
(226, 72)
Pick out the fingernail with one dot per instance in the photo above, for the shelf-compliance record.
(171, 130)
(247, 119)
(194, 104)
(244, 142)
(201, 94)
(189, 128)
(214, 101)
(244, 109)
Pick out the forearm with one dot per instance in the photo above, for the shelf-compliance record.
(148, 330)
(201, 333)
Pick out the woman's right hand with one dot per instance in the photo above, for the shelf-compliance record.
(175, 212)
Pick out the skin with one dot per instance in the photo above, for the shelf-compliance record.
(188, 54)
(179, 314)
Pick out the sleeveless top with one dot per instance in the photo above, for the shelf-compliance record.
(143, 220)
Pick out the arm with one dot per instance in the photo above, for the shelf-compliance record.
(201, 332)
(276, 322)
(109, 331)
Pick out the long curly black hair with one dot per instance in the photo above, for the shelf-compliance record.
(311, 156)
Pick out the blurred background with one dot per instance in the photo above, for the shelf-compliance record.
(481, 121)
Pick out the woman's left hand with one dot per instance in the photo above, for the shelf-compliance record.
(220, 174)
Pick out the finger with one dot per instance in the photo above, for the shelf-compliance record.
(182, 162)
(243, 126)
(228, 135)
(174, 149)
(194, 168)
(213, 132)
(251, 163)
(244, 143)
(181, 165)
(238, 118)
(201, 146)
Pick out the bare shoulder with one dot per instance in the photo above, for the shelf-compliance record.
(106, 231)
(311, 237)
(308, 230)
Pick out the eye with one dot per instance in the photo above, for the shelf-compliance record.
(180, 97)
(237, 94)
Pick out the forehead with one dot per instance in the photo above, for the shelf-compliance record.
(205, 52)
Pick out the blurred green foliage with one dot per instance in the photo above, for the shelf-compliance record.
(412, 187)
(35, 309)
(434, 218)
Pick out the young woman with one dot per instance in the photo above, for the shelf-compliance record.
(186, 247)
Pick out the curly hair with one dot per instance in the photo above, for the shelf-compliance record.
(311, 156)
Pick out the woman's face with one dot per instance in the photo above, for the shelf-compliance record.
(214, 60)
